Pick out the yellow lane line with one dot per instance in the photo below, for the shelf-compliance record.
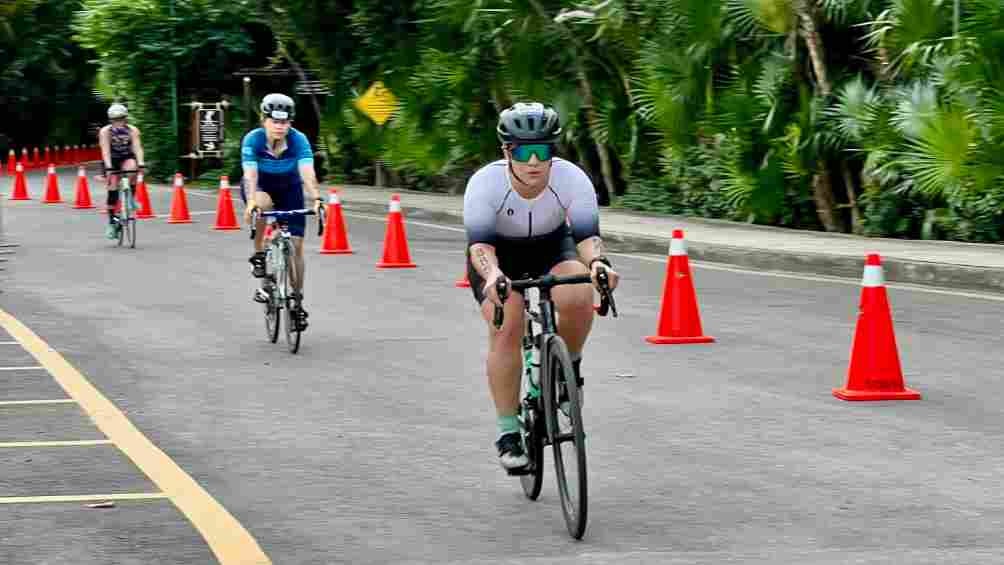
(226, 537)
(62, 443)
(81, 497)
(36, 402)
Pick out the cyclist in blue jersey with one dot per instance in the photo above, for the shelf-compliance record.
(278, 163)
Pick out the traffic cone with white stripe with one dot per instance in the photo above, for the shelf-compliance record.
(874, 372)
(336, 239)
(83, 196)
(145, 211)
(52, 187)
(463, 282)
(679, 319)
(226, 219)
(395, 243)
(179, 203)
(20, 187)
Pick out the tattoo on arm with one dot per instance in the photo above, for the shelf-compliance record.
(485, 263)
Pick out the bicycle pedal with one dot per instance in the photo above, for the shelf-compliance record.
(519, 471)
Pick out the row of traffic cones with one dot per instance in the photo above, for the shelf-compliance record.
(874, 372)
(66, 155)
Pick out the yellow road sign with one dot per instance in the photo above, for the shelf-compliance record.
(377, 102)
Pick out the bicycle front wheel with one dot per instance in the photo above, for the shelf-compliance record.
(292, 305)
(566, 434)
(533, 438)
(273, 304)
(129, 224)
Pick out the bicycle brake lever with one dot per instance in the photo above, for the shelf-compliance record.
(502, 289)
(607, 296)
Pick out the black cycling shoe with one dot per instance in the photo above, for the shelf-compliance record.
(258, 263)
(512, 456)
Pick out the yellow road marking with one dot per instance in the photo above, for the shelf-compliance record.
(31, 368)
(58, 443)
(35, 402)
(226, 537)
(81, 497)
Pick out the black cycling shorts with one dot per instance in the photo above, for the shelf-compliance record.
(526, 258)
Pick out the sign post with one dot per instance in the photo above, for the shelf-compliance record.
(379, 104)
(207, 130)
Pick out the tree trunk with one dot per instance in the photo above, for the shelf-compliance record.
(587, 99)
(814, 43)
(601, 148)
(822, 186)
(822, 193)
(856, 226)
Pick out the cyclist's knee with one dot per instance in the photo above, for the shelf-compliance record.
(512, 323)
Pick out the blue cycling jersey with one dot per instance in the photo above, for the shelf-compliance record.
(276, 172)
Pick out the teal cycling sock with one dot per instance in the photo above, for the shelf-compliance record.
(507, 424)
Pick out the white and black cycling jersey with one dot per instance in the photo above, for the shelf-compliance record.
(494, 212)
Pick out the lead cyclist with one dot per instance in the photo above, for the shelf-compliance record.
(529, 214)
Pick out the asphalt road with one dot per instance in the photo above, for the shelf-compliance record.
(374, 443)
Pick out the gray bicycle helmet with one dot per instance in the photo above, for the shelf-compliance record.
(278, 106)
(117, 111)
(528, 122)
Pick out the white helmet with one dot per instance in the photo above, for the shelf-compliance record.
(117, 111)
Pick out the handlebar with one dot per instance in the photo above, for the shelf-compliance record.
(503, 286)
(279, 214)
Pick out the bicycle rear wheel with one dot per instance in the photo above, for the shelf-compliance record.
(566, 434)
(292, 305)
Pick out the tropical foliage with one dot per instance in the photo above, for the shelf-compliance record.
(880, 117)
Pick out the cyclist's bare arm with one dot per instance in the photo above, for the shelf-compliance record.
(250, 183)
(137, 145)
(106, 149)
(309, 177)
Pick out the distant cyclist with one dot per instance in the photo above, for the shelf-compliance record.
(277, 163)
(530, 214)
(121, 149)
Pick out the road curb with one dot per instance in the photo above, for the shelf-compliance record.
(944, 275)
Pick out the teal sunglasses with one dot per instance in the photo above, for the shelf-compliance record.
(522, 153)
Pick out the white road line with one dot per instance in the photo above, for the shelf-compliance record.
(81, 497)
(36, 402)
(68, 443)
(32, 368)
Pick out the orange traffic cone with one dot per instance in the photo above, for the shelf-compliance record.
(179, 203)
(874, 372)
(679, 319)
(336, 239)
(225, 217)
(20, 187)
(24, 158)
(36, 160)
(11, 162)
(52, 187)
(143, 198)
(83, 200)
(395, 243)
(463, 282)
